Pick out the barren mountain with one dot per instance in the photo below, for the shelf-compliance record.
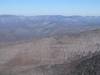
(46, 45)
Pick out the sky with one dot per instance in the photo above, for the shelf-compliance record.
(50, 7)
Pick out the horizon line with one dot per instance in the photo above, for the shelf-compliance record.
(50, 15)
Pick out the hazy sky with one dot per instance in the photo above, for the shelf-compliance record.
(50, 7)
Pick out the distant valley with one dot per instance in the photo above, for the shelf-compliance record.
(14, 28)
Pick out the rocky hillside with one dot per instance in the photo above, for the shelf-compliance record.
(88, 65)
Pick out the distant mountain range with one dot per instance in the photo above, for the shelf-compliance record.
(14, 28)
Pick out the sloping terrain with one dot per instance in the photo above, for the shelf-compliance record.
(39, 55)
